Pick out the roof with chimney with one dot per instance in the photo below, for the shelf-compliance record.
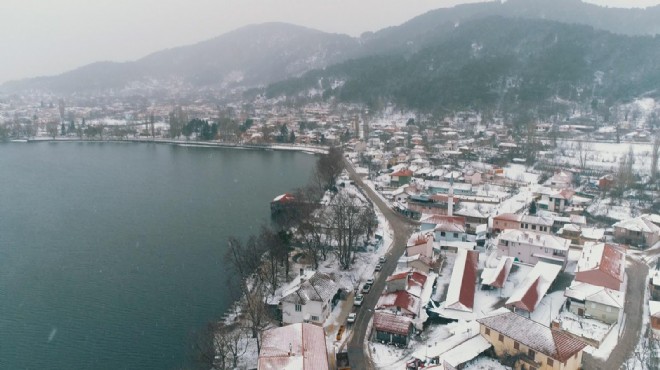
(419, 238)
(295, 346)
(538, 337)
(462, 285)
(530, 291)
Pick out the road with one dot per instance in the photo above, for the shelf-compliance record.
(401, 227)
(634, 310)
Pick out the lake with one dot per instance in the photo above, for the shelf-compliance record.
(112, 254)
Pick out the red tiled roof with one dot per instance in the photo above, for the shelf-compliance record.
(439, 198)
(439, 219)
(400, 299)
(612, 262)
(284, 198)
(504, 273)
(469, 277)
(531, 297)
(538, 337)
(402, 173)
(508, 217)
(391, 323)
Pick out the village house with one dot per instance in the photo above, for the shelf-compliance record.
(529, 293)
(654, 285)
(639, 231)
(603, 265)
(473, 218)
(416, 262)
(532, 247)
(437, 204)
(311, 301)
(537, 223)
(400, 177)
(496, 277)
(654, 313)
(411, 281)
(532, 345)
(297, 346)
(593, 301)
(561, 180)
(400, 302)
(506, 221)
(422, 244)
(555, 201)
(462, 285)
(392, 328)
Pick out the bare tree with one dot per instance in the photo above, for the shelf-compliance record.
(254, 306)
(328, 168)
(350, 219)
(655, 152)
(244, 258)
(582, 151)
(52, 127)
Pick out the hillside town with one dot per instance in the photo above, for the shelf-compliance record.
(492, 247)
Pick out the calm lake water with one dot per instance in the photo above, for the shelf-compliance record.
(111, 255)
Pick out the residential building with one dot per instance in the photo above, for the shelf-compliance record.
(532, 247)
(400, 177)
(537, 346)
(639, 231)
(654, 312)
(311, 301)
(506, 221)
(297, 346)
(496, 277)
(537, 223)
(421, 243)
(593, 301)
(556, 201)
(603, 265)
(400, 302)
(460, 293)
(392, 328)
(529, 293)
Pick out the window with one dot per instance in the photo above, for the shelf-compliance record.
(550, 362)
(500, 338)
(298, 308)
(516, 345)
(533, 227)
(442, 233)
(547, 250)
(487, 331)
(315, 318)
(531, 353)
(455, 235)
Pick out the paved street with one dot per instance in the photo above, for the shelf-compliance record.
(634, 309)
(402, 228)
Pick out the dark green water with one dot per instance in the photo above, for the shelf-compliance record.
(112, 254)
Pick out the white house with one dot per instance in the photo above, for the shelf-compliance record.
(311, 301)
(532, 247)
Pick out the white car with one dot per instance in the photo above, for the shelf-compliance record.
(358, 300)
(382, 259)
(351, 317)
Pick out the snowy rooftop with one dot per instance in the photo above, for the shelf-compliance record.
(642, 223)
(536, 239)
(536, 336)
(496, 277)
(595, 293)
(607, 258)
(530, 292)
(654, 308)
(296, 346)
(460, 294)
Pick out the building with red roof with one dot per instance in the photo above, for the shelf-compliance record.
(392, 328)
(462, 286)
(602, 264)
(400, 302)
(400, 177)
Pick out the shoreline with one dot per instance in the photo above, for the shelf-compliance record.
(310, 149)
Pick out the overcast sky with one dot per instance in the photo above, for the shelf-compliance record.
(44, 37)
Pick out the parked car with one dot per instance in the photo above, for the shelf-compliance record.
(351, 317)
(382, 259)
(358, 300)
(370, 281)
(340, 332)
(366, 288)
(378, 267)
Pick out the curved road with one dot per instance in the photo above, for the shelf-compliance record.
(401, 227)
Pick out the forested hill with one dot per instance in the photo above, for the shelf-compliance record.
(492, 61)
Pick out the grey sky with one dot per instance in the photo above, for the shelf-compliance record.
(44, 37)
